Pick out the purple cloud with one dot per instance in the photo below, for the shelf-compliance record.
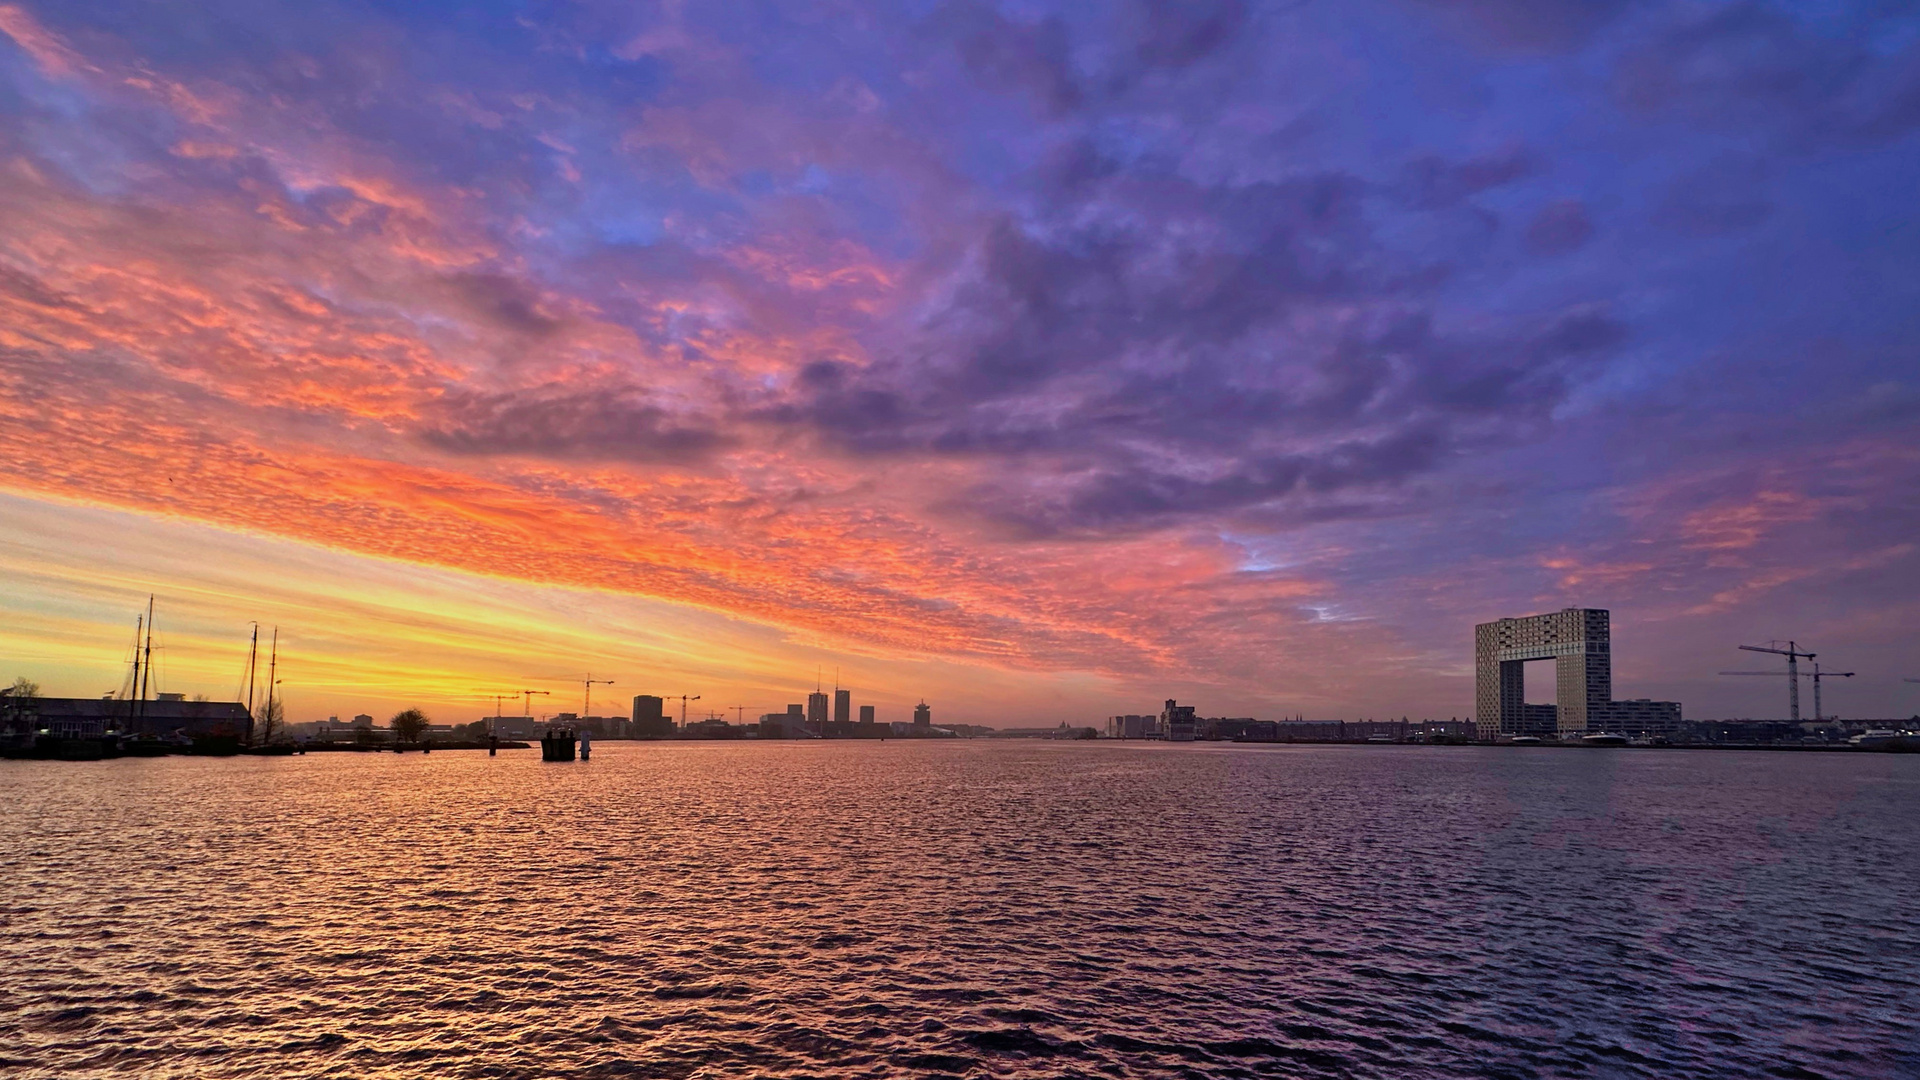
(1560, 227)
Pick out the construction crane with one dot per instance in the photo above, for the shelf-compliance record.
(1794, 656)
(1818, 715)
(527, 695)
(496, 696)
(684, 698)
(740, 711)
(586, 699)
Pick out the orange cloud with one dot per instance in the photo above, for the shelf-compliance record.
(1738, 525)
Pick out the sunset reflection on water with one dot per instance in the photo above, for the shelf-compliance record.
(1007, 909)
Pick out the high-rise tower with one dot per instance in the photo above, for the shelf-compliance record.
(1579, 641)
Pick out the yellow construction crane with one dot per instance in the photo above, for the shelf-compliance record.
(586, 699)
(496, 696)
(528, 696)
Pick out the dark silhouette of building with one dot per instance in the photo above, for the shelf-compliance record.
(817, 708)
(842, 706)
(506, 727)
(866, 714)
(91, 718)
(922, 715)
(650, 718)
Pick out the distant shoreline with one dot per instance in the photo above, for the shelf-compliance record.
(94, 753)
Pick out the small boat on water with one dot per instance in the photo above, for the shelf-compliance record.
(150, 745)
(1526, 740)
(1603, 739)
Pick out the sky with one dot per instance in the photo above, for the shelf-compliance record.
(1040, 361)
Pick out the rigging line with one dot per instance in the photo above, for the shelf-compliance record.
(130, 664)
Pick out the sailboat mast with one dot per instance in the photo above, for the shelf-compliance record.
(146, 671)
(273, 665)
(133, 687)
(253, 667)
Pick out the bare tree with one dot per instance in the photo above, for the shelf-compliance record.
(272, 719)
(16, 701)
(408, 725)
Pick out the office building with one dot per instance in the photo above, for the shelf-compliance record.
(650, 717)
(791, 724)
(922, 716)
(1579, 642)
(817, 707)
(1178, 722)
(866, 714)
(842, 706)
(1641, 716)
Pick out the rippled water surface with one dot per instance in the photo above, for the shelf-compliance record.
(969, 909)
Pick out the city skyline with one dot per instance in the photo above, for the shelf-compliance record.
(1043, 363)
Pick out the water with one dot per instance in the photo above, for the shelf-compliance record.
(973, 909)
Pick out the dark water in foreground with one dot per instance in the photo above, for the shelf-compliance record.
(981, 909)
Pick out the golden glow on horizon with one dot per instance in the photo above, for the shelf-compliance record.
(366, 634)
